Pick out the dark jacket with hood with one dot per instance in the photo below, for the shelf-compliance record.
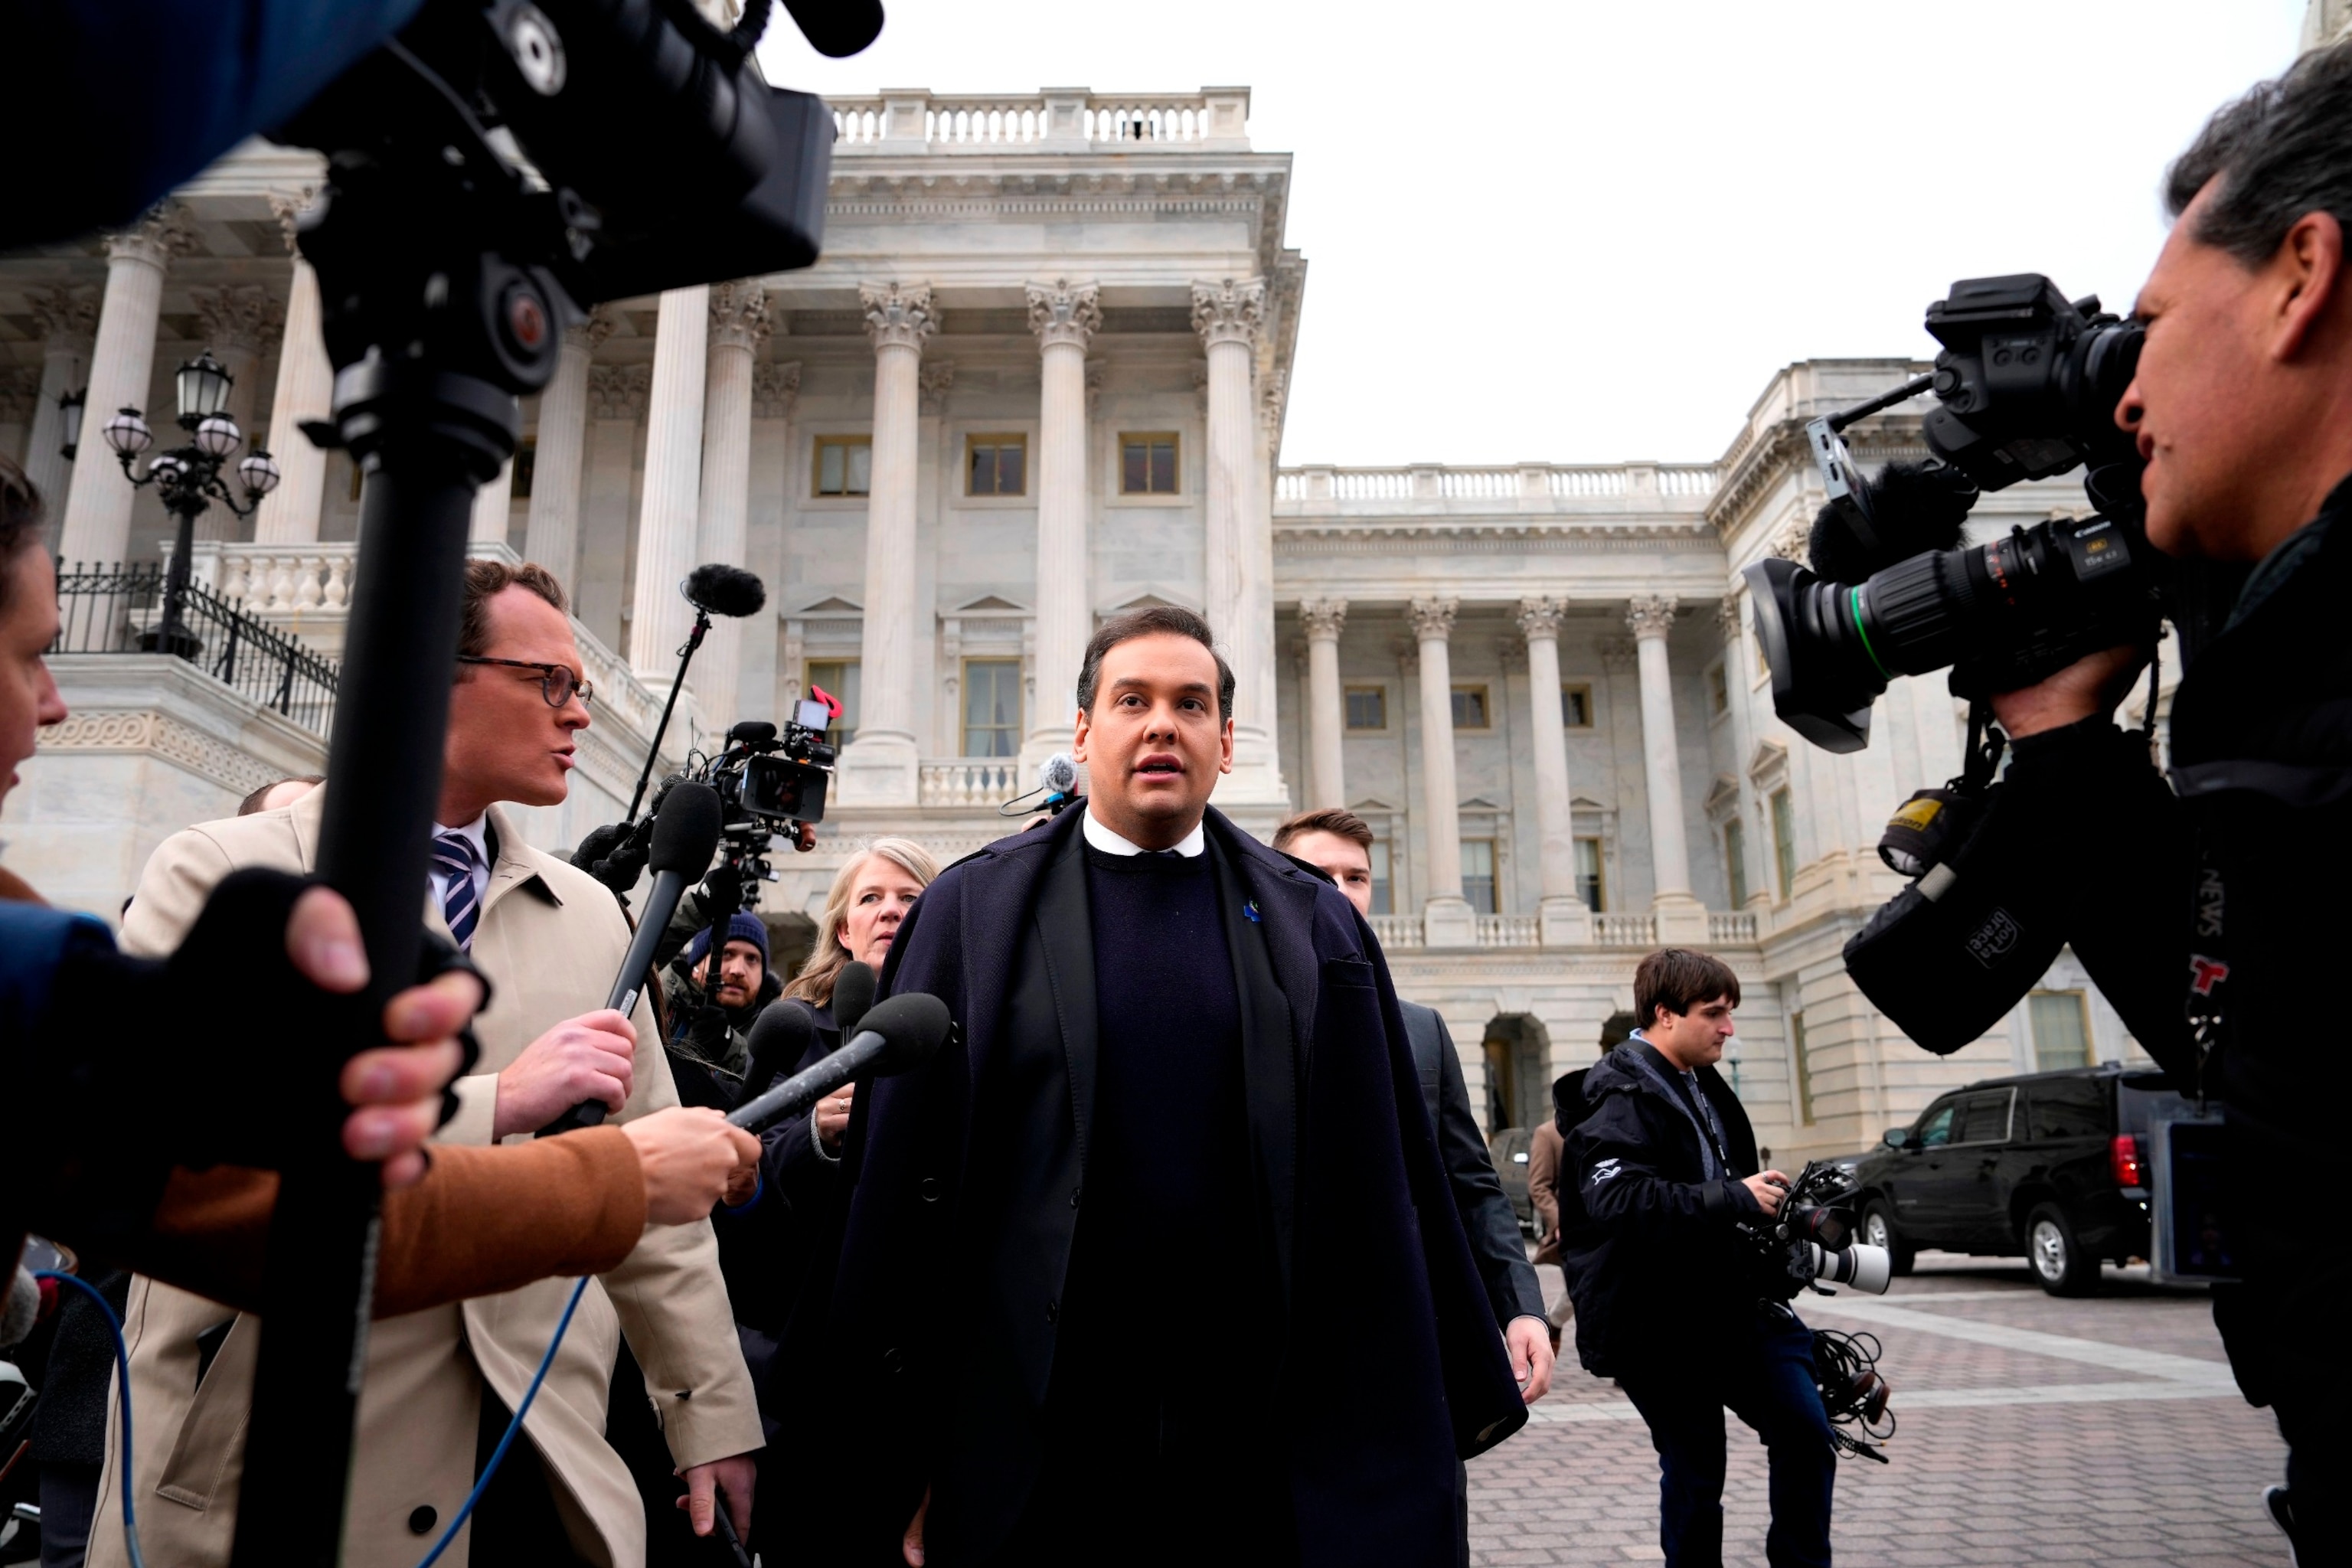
(1654, 1248)
(937, 1337)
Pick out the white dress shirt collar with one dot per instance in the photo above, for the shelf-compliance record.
(1193, 842)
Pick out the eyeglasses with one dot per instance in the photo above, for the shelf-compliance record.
(556, 681)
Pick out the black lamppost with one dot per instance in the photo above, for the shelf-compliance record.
(190, 475)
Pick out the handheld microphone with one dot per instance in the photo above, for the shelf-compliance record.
(780, 1036)
(686, 836)
(1058, 774)
(896, 1036)
(722, 590)
(853, 993)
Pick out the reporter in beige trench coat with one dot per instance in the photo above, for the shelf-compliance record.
(550, 939)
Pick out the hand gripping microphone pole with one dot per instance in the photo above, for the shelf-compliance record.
(895, 1036)
(686, 836)
(713, 589)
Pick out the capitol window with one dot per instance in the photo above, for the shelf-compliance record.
(1591, 884)
(991, 708)
(1576, 707)
(996, 466)
(1784, 841)
(1382, 903)
(1478, 874)
(838, 678)
(843, 466)
(1147, 464)
(1719, 691)
(1367, 708)
(2060, 1023)
(1470, 709)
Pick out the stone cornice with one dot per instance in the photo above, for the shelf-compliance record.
(1304, 537)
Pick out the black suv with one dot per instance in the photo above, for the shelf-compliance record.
(2051, 1165)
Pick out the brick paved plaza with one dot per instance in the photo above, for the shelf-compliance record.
(2032, 1430)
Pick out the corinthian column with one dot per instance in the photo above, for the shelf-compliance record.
(879, 767)
(1326, 716)
(552, 538)
(1649, 619)
(739, 325)
(1445, 913)
(65, 319)
(1561, 916)
(1066, 317)
(667, 516)
(1230, 316)
(306, 391)
(98, 502)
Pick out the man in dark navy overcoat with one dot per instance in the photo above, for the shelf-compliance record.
(1157, 1262)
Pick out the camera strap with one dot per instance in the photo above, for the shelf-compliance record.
(2208, 967)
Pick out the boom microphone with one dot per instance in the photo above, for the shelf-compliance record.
(722, 590)
(686, 836)
(780, 1036)
(853, 993)
(900, 1034)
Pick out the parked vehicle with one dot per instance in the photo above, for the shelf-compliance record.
(2052, 1166)
(1508, 1149)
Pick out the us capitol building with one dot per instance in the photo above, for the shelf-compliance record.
(1040, 376)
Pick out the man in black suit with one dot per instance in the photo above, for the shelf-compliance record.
(1155, 1263)
(1339, 843)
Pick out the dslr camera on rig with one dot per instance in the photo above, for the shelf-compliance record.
(2026, 387)
(1811, 1242)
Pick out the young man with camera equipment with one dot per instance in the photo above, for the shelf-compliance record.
(2212, 911)
(1672, 1299)
(441, 1384)
(1177, 1338)
(1339, 843)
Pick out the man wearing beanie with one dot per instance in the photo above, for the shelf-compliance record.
(712, 1041)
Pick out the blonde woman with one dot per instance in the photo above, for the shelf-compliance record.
(868, 901)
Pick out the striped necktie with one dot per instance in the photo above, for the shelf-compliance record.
(455, 857)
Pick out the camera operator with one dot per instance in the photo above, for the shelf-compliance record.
(1671, 1298)
(709, 1047)
(2226, 901)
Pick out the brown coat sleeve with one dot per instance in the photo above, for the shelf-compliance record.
(483, 1220)
(1543, 1178)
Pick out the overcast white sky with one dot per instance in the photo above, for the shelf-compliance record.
(1579, 232)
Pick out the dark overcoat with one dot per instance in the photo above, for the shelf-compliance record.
(965, 1187)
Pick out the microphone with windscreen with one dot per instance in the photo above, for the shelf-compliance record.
(1057, 783)
(722, 590)
(893, 1037)
(686, 836)
(780, 1035)
(853, 993)
(713, 589)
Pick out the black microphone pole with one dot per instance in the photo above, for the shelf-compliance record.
(425, 401)
(895, 1036)
(684, 657)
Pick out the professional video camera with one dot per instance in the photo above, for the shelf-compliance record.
(2027, 387)
(772, 782)
(1811, 1242)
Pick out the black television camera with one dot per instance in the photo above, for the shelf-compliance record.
(1811, 1242)
(2027, 387)
(772, 782)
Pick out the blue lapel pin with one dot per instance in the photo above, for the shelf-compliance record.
(1249, 908)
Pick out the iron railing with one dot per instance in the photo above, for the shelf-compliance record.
(120, 609)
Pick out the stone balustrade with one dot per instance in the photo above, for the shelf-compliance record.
(1395, 932)
(1077, 120)
(1625, 931)
(967, 782)
(1508, 931)
(1525, 487)
(1738, 927)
